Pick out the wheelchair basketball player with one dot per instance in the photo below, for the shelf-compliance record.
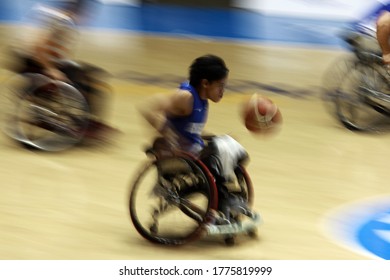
(181, 117)
(50, 55)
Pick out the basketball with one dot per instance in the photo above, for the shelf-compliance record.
(261, 115)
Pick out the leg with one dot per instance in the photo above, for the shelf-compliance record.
(216, 158)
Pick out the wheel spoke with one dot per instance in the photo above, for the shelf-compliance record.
(165, 209)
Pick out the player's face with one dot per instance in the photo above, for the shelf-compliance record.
(215, 90)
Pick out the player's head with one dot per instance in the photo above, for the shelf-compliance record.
(209, 67)
(75, 8)
(208, 75)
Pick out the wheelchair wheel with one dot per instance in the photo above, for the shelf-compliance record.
(49, 115)
(361, 100)
(333, 79)
(11, 92)
(171, 199)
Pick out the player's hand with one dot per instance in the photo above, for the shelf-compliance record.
(386, 59)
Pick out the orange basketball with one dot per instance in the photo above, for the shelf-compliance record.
(261, 115)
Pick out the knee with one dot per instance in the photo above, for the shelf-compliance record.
(213, 164)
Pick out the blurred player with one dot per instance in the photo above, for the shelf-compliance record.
(375, 23)
(49, 53)
(181, 117)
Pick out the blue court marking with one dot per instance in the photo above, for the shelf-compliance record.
(370, 238)
(234, 24)
(362, 226)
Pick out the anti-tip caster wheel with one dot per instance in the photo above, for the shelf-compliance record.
(230, 241)
(252, 233)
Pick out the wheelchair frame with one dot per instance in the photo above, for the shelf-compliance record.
(175, 194)
(361, 93)
(44, 114)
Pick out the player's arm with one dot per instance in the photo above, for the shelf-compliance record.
(157, 109)
(383, 35)
(41, 54)
(180, 104)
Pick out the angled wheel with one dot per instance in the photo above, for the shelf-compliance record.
(360, 101)
(333, 79)
(171, 199)
(12, 90)
(49, 115)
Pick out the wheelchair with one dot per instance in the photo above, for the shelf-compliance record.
(357, 86)
(43, 113)
(174, 200)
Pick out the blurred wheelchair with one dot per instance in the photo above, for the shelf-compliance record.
(47, 114)
(357, 85)
(43, 113)
(174, 200)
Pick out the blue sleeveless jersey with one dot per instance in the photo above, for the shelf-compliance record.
(191, 126)
(367, 23)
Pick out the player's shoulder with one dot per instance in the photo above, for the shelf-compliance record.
(183, 94)
(182, 100)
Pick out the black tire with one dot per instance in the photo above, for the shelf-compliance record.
(166, 207)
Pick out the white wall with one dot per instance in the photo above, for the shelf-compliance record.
(122, 2)
(326, 9)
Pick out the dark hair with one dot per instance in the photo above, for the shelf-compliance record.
(209, 67)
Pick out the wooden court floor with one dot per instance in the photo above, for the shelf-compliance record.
(73, 205)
